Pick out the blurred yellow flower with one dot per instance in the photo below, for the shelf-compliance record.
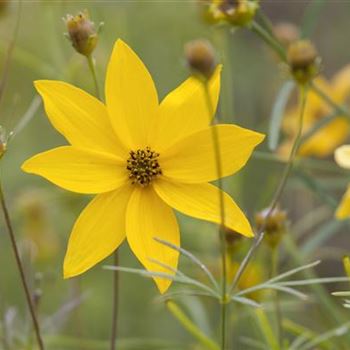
(142, 159)
(323, 142)
(252, 276)
(342, 157)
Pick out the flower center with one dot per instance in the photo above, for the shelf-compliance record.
(143, 166)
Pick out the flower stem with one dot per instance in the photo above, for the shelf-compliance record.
(93, 72)
(269, 40)
(277, 305)
(218, 163)
(115, 303)
(21, 269)
(278, 193)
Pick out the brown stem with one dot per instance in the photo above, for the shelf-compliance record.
(21, 269)
(115, 303)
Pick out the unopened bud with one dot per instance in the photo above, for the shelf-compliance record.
(82, 33)
(234, 240)
(274, 224)
(286, 33)
(200, 57)
(303, 61)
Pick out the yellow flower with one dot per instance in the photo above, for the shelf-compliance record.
(328, 138)
(142, 159)
(252, 276)
(342, 157)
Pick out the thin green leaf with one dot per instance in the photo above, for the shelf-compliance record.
(27, 116)
(337, 332)
(151, 274)
(278, 113)
(323, 234)
(191, 327)
(311, 16)
(194, 259)
(315, 281)
(246, 301)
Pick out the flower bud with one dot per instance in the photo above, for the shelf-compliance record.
(286, 33)
(274, 225)
(82, 33)
(303, 61)
(200, 57)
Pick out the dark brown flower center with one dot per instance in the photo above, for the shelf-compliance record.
(143, 166)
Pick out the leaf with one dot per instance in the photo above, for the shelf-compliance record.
(323, 234)
(278, 113)
(311, 15)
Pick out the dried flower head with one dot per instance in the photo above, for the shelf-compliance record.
(274, 225)
(82, 33)
(303, 60)
(200, 57)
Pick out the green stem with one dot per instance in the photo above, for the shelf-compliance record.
(93, 72)
(115, 303)
(218, 163)
(20, 269)
(268, 39)
(278, 193)
(190, 326)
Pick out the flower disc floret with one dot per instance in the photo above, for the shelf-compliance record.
(143, 166)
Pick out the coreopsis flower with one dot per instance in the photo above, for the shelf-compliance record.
(342, 157)
(141, 159)
(254, 274)
(324, 141)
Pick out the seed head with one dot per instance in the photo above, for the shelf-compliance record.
(303, 61)
(200, 57)
(82, 33)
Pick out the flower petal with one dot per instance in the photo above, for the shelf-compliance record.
(185, 111)
(79, 170)
(99, 230)
(79, 117)
(343, 210)
(131, 96)
(202, 201)
(149, 217)
(342, 156)
(192, 159)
